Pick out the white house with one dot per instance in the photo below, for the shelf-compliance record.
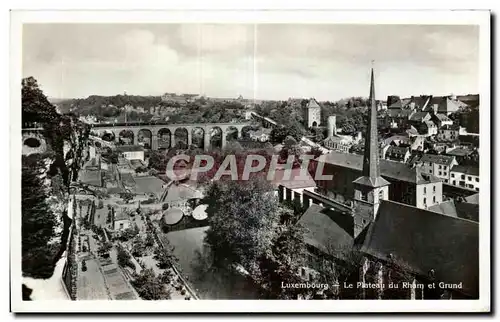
(131, 152)
(121, 221)
(465, 176)
(438, 165)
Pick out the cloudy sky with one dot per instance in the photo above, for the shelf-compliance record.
(265, 61)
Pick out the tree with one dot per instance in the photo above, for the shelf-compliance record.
(104, 249)
(149, 286)
(242, 221)
(127, 196)
(38, 221)
(282, 264)
(124, 258)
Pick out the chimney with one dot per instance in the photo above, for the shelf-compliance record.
(332, 126)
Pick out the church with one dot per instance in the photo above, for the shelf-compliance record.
(399, 247)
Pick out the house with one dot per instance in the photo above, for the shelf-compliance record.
(261, 135)
(397, 118)
(465, 177)
(417, 118)
(444, 105)
(121, 220)
(429, 128)
(437, 165)
(399, 154)
(449, 132)
(293, 182)
(342, 143)
(461, 153)
(441, 120)
(131, 152)
(178, 195)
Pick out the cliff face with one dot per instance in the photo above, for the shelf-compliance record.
(46, 178)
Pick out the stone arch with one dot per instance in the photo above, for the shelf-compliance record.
(198, 137)
(245, 131)
(33, 143)
(181, 137)
(126, 137)
(216, 137)
(108, 136)
(164, 138)
(144, 137)
(231, 133)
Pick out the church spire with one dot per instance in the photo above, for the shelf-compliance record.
(371, 163)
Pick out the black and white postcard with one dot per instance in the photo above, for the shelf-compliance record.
(301, 161)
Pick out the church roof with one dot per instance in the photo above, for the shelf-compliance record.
(425, 241)
(388, 169)
(327, 230)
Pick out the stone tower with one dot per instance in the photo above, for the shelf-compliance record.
(369, 189)
(332, 125)
(312, 113)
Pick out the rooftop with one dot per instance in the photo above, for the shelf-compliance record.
(466, 169)
(129, 148)
(294, 180)
(418, 116)
(389, 169)
(426, 240)
(460, 152)
(327, 230)
(439, 159)
(178, 192)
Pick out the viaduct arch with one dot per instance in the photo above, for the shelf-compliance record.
(158, 130)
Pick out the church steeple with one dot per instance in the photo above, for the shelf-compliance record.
(371, 163)
(369, 189)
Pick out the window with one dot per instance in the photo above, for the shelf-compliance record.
(444, 167)
(463, 176)
(477, 189)
(430, 171)
(434, 188)
(439, 167)
(453, 175)
(425, 201)
(446, 180)
(381, 194)
(440, 173)
(434, 199)
(425, 190)
(469, 178)
(364, 196)
(445, 173)
(121, 225)
(477, 179)
(364, 221)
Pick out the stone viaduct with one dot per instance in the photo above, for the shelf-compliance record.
(157, 130)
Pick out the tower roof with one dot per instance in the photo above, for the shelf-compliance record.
(371, 163)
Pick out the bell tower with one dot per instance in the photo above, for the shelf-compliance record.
(369, 189)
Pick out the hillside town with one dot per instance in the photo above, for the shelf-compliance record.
(395, 188)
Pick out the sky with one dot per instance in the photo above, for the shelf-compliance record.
(264, 61)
